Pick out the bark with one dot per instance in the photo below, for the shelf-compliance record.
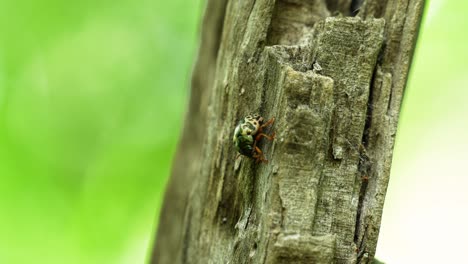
(334, 83)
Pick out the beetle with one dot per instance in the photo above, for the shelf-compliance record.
(248, 132)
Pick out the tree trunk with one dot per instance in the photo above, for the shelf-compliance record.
(334, 83)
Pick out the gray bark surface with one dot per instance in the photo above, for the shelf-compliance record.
(334, 83)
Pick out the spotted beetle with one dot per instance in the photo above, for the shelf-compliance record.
(247, 134)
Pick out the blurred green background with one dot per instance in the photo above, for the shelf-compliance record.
(92, 97)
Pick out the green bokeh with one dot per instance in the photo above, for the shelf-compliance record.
(92, 96)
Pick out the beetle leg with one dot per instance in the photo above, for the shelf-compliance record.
(269, 122)
(258, 155)
(260, 130)
(254, 148)
(257, 138)
(269, 137)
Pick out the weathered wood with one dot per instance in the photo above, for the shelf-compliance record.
(168, 248)
(335, 86)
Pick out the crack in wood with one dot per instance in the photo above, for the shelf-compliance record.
(355, 6)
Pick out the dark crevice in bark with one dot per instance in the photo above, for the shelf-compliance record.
(389, 105)
(362, 194)
(344, 7)
(370, 106)
(361, 250)
(365, 165)
(355, 6)
(331, 5)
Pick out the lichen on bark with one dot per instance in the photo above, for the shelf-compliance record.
(334, 83)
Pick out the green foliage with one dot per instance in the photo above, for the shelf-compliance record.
(92, 96)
